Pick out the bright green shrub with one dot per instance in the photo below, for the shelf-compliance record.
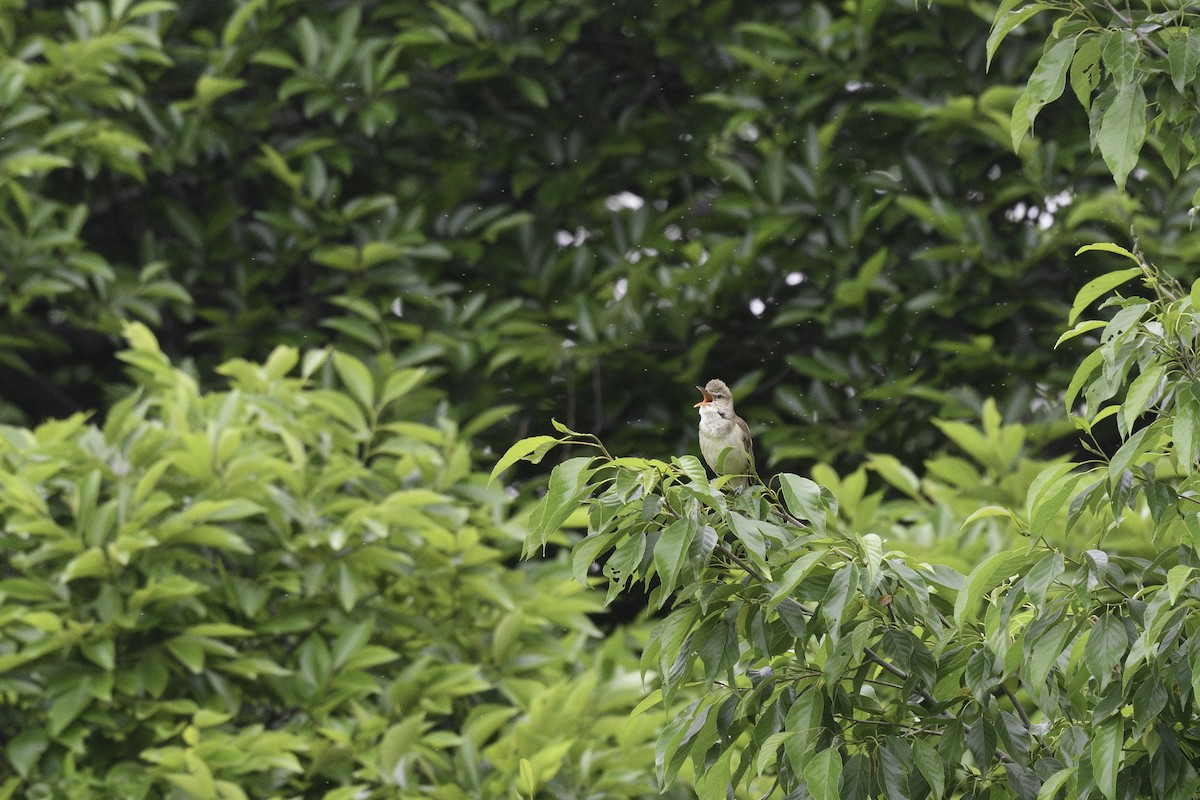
(295, 587)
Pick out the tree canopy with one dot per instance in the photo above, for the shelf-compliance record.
(283, 283)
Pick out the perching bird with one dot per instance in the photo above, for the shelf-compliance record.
(725, 439)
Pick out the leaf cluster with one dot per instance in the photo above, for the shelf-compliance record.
(831, 665)
(298, 585)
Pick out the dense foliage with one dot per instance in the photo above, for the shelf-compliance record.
(839, 667)
(289, 588)
(277, 279)
(542, 201)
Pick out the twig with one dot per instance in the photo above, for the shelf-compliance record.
(1012, 698)
(1146, 40)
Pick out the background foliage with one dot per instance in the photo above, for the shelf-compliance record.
(556, 198)
(862, 215)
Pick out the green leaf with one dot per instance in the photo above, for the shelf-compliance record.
(792, 578)
(568, 487)
(990, 511)
(1083, 372)
(1107, 754)
(752, 534)
(1049, 77)
(1104, 283)
(1048, 495)
(822, 775)
(895, 473)
(1122, 132)
(1085, 326)
(1140, 392)
(237, 21)
(1055, 782)
(66, 707)
(403, 381)
(1134, 448)
(804, 719)
(531, 449)
(533, 91)
(1178, 577)
(1185, 428)
(357, 379)
(1085, 70)
(1121, 52)
(670, 551)
(804, 499)
(833, 604)
(1018, 125)
(929, 764)
(1005, 22)
(25, 749)
(985, 577)
(1044, 652)
(1183, 56)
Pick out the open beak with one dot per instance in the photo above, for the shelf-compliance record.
(708, 398)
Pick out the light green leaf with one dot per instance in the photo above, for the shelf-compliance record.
(671, 550)
(983, 579)
(1005, 22)
(804, 719)
(1185, 428)
(1080, 329)
(1085, 70)
(1120, 50)
(803, 498)
(990, 511)
(357, 379)
(1043, 653)
(1136, 446)
(568, 488)
(1141, 391)
(531, 449)
(1083, 372)
(822, 774)
(792, 578)
(895, 473)
(1055, 782)
(1178, 577)
(1105, 283)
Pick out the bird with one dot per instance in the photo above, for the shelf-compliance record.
(725, 440)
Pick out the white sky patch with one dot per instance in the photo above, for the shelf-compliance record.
(757, 307)
(794, 278)
(620, 288)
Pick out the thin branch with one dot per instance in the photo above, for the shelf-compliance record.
(1012, 698)
(1146, 40)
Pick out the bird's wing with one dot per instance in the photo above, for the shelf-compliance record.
(747, 441)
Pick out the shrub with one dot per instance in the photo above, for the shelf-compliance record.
(296, 586)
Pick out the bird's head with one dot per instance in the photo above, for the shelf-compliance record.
(716, 397)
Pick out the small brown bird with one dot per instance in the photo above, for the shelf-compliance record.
(725, 439)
